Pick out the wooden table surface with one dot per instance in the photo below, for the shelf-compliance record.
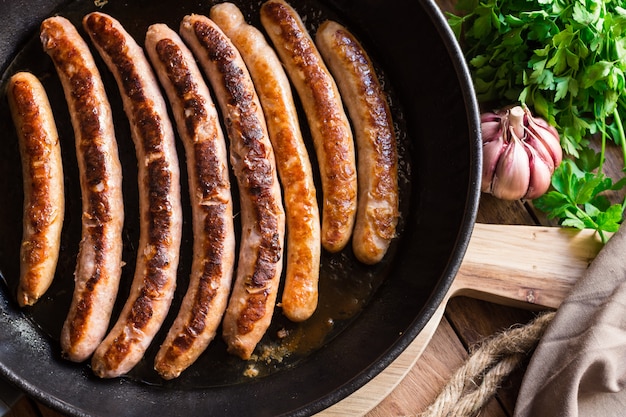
(465, 323)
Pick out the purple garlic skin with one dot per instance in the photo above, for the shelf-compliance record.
(520, 153)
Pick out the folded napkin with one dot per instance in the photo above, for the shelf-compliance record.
(579, 366)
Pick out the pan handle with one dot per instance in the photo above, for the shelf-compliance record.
(9, 396)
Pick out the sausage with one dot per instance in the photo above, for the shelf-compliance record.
(259, 267)
(330, 129)
(160, 210)
(99, 260)
(42, 171)
(300, 293)
(377, 156)
(211, 202)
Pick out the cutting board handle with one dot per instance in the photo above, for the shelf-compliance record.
(524, 266)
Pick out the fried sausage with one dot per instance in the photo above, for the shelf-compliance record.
(330, 129)
(211, 202)
(377, 156)
(300, 293)
(251, 305)
(42, 171)
(99, 260)
(159, 199)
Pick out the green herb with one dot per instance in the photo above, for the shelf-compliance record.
(577, 201)
(567, 60)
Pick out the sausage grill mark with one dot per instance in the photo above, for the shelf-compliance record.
(98, 265)
(208, 177)
(158, 180)
(199, 128)
(180, 76)
(42, 170)
(256, 170)
(251, 304)
(160, 211)
(70, 64)
(209, 182)
(377, 213)
(41, 208)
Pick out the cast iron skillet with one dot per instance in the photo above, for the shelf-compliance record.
(367, 315)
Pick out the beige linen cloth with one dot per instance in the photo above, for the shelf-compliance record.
(579, 366)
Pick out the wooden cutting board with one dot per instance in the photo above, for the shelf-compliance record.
(532, 267)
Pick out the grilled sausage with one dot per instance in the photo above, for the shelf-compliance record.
(159, 199)
(377, 212)
(42, 171)
(330, 129)
(300, 293)
(99, 260)
(251, 305)
(211, 202)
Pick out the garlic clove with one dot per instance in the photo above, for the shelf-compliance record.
(540, 145)
(491, 130)
(540, 173)
(490, 117)
(492, 150)
(512, 174)
(547, 135)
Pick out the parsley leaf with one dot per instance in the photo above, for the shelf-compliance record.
(567, 60)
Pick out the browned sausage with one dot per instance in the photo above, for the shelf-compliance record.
(332, 135)
(42, 170)
(251, 305)
(299, 298)
(377, 213)
(99, 261)
(211, 202)
(159, 199)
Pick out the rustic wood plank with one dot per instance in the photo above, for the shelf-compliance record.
(26, 407)
(494, 211)
(48, 412)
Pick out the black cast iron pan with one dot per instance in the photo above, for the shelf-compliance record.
(367, 315)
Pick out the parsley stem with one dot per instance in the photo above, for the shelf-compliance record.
(584, 215)
(622, 142)
(602, 147)
(622, 136)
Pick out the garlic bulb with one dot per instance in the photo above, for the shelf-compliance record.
(520, 153)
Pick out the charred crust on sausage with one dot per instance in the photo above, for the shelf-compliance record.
(40, 210)
(335, 152)
(100, 179)
(160, 211)
(214, 228)
(377, 214)
(255, 169)
(158, 180)
(69, 63)
(181, 78)
(379, 117)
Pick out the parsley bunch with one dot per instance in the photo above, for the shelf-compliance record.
(567, 60)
